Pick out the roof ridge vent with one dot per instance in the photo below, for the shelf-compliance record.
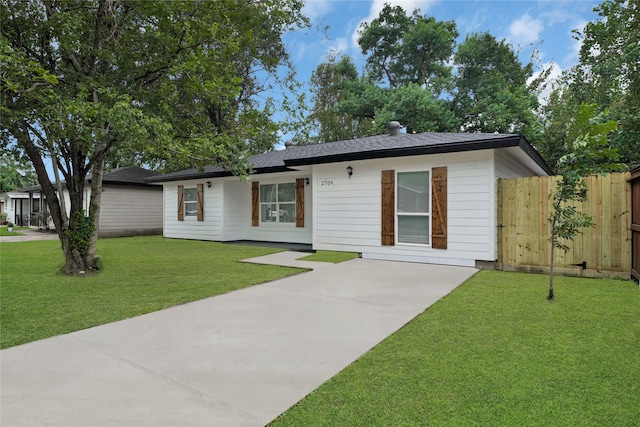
(394, 128)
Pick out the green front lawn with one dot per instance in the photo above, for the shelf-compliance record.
(330, 256)
(4, 231)
(495, 352)
(140, 275)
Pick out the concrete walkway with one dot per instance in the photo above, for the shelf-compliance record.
(238, 359)
(30, 235)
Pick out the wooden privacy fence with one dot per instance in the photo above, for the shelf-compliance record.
(635, 222)
(524, 231)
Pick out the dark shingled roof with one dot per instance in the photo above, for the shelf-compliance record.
(128, 175)
(371, 147)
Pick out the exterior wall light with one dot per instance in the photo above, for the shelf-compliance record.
(349, 171)
(306, 180)
(208, 184)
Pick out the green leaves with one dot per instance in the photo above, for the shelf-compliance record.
(589, 150)
(589, 153)
(408, 78)
(609, 72)
(171, 84)
(406, 49)
(492, 93)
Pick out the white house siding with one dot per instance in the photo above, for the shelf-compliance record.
(227, 212)
(508, 166)
(270, 232)
(208, 229)
(348, 210)
(236, 207)
(130, 210)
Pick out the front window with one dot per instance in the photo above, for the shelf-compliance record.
(190, 201)
(278, 203)
(413, 207)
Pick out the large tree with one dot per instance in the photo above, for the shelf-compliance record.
(334, 81)
(171, 83)
(403, 49)
(406, 74)
(607, 75)
(609, 71)
(492, 94)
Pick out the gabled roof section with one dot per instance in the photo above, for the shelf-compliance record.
(371, 147)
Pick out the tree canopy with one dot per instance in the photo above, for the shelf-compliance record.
(403, 49)
(607, 75)
(172, 84)
(15, 174)
(416, 74)
(492, 94)
(332, 83)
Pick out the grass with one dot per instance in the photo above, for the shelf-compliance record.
(4, 231)
(330, 256)
(140, 275)
(495, 352)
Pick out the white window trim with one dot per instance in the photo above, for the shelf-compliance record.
(277, 203)
(428, 215)
(194, 202)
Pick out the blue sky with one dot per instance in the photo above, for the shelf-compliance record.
(527, 25)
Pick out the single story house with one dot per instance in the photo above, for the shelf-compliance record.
(427, 197)
(19, 207)
(129, 205)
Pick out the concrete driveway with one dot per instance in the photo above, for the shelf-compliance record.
(238, 359)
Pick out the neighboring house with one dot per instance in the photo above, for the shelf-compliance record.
(129, 205)
(428, 197)
(19, 207)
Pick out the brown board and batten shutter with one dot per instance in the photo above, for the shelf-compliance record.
(439, 202)
(180, 202)
(299, 202)
(388, 207)
(200, 204)
(255, 204)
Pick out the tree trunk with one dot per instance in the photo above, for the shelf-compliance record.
(94, 207)
(70, 233)
(74, 263)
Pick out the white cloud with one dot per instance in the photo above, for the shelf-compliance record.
(525, 30)
(378, 5)
(317, 9)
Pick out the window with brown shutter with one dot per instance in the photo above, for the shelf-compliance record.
(413, 207)
(180, 202)
(255, 204)
(388, 207)
(200, 200)
(439, 209)
(300, 202)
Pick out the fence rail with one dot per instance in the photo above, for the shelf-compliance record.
(524, 231)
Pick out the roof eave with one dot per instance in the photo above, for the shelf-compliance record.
(218, 174)
(534, 155)
(511, 141)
